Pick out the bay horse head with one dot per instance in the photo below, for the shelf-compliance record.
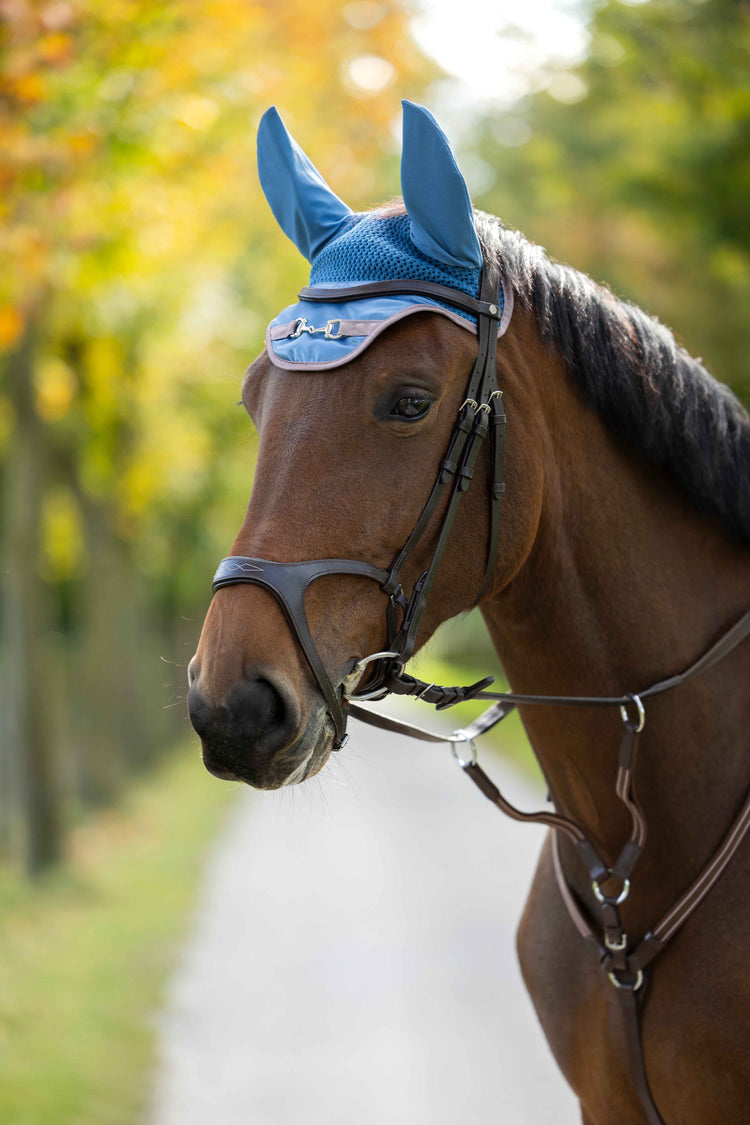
(372, 400)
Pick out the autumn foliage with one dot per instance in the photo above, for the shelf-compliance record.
(141, 268)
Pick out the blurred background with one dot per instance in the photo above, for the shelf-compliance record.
(140, 267)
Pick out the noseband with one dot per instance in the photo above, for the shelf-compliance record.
(480, 414)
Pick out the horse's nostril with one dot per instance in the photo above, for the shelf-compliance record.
(258, 714)
(202, 714)
(253, 718)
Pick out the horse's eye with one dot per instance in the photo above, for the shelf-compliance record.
(411, 407)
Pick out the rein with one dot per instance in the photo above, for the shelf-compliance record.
(481, 416)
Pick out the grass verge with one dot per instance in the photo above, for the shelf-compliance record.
(85, 952)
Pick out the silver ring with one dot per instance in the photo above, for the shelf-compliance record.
(362, 664)
(378, 693)
(641, 714)
(358, 671)
(629, 987)
(458, 737)
(604, 899)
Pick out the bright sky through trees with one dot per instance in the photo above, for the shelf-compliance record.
(501, 49)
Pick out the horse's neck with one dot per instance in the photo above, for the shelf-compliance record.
(625, 585)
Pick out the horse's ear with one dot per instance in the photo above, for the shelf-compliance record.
(305, 207)
(435, 193)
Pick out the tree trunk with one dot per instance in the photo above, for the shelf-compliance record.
(32, 806)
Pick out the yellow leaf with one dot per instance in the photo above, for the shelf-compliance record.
(11, 326)
(63, 553)
(197, 112)
(54, 48)
(55, 387)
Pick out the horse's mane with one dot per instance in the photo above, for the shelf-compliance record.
(630, 368)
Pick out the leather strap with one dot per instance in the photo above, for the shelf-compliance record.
(497, 460)
(454, 297)
(721, 648)
(725, 644)
(689, 902)
(459, 463)
(654, 943)
(631, 1003)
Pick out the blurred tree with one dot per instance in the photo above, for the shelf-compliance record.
(635, 167)
(142, 261)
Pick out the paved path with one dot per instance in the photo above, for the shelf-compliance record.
(352, 961)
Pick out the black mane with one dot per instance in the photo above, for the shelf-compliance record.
(644, 385)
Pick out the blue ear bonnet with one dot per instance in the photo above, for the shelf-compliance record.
(432, 240)
(376, 247)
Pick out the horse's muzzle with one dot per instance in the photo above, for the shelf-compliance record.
(254, 735)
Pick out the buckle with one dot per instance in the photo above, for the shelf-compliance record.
(616, 946)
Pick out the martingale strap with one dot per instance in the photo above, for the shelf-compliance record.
(633, 715)
(626, 968)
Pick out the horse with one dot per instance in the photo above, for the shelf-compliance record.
(621, 557)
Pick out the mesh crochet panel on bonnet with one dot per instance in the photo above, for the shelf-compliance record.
(377, 247)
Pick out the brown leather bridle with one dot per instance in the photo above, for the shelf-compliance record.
(481, 414)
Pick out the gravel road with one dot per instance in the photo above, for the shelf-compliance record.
(352, 959)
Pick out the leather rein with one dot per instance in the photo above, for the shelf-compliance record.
(481, 415)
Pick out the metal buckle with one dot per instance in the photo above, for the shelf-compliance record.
(455, 739)
(616, 946)
(329, 333)
(632, 987)
(398, 598)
